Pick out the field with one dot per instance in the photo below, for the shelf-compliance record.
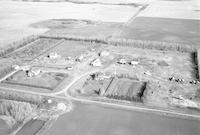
(90, 119)
(46, 80)
(163, 29)
(31, 127)
(16, 20)
(79, 28)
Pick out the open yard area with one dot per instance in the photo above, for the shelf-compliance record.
(46, 80)
(160, 64)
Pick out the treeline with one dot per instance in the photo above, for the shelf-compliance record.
(77, 38)
(28, 85)
(22, 97)
(19, 111)
(157, 45)
(18, 44)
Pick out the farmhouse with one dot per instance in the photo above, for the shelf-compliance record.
(96, 63)
(53, 55)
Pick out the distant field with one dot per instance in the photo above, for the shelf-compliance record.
(17, 16)
(95, 1)
(79, 28)
(183, 31)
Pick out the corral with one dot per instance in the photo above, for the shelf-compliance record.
(125, 89)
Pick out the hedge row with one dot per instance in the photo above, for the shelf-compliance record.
(157, 45)
(22, 97)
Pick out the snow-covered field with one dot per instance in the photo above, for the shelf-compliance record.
(16, 16)
(96, 1)
(179, 9)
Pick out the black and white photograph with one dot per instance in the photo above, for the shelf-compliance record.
(99, 67)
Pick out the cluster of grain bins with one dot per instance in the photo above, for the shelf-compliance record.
(125, 89)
